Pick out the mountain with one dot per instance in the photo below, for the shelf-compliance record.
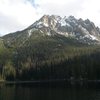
(84, 31)
(51, 48)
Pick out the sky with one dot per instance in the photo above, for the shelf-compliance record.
(16, 15)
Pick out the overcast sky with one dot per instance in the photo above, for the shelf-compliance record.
(16, 15)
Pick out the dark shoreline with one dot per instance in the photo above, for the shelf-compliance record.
(57, 82)
(53, 80)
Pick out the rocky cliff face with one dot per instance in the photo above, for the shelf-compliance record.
(84, 31)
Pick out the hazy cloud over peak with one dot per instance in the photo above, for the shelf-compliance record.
(16, 15)
(19, 14)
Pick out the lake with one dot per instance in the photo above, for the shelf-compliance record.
(29, 92)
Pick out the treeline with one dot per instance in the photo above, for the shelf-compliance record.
(67, 63)
(44, 58)
(77, 66)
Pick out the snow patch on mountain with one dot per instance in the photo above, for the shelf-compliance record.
(82, 30)
(93, 37)
(63, 22)
(29, 33)
(45, 24)
(39, 23)
(67, 24)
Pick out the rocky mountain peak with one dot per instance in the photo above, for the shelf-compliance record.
(71, 17)
(81, 30)
(78, 28)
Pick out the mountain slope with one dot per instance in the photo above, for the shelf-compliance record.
(51, 48)
(84, 31)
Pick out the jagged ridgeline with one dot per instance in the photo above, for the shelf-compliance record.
(52, 48)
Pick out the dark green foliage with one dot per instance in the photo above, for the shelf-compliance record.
(48, 57)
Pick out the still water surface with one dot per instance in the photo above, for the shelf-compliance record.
(19, 92)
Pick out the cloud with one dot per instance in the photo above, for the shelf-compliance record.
(61, 7)
(16, 15)
(79, 8)
(91, 10)
(7, 23)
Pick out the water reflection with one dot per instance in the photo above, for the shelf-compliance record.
(15, 92)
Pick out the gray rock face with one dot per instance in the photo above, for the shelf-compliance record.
(82, 30)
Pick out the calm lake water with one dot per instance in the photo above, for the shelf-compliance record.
(20, 92)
